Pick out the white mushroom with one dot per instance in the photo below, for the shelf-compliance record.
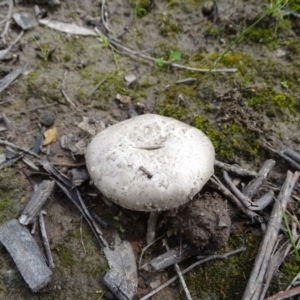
(150, 162)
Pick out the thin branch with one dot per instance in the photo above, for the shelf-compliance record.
(255, 284)
(180, 275)
(216, 183)
(6, 143)
(286, 294)
(46, 242)
(235, 169)
(64, 93)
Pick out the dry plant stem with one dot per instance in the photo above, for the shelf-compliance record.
(46, 242)
(235, 169)
(286, 294)
(151, 226)
(7, 19)
(104, 16)
(220, 187)
(64, 93)
(80, 229)
(31, 109)
(6, 122)
(255, 284)
(251, 189)
(183, 283)
(264, 200)
(145, 248)
(209, 258)
(244, 199)
(5, 51)
(285, 157)
(146, 57)
(293, 155)
(6, 143)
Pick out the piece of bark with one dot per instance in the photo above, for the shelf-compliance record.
(36, 202)
(122, 278)
(8, 79)
(171, 257)
(25, 252)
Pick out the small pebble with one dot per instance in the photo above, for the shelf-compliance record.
(47, 118)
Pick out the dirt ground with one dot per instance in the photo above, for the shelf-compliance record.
(240, 112)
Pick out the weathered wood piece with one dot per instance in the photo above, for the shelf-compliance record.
(8, 79)
(256, 281)
(67, 186)
(253, 186)
(36, 202)
(122, 278)
(171, 257)
(18, 241)
(235, 169)
(293, 155)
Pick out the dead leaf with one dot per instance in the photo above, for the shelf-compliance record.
(50, 136)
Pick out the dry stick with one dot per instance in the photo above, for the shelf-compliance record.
(293, 155)
(255, 283)
(285, 157)
(145, 248)
(104, 15)
(178, 66)
(235, 169)
(45, 241)
(286, 294)
(8, 17)
(244, 199)
(209, 258)
(253, 186)
(185, 288)
(6, 143)
(5, 51)
(220, 187)
(31, 109)
(64, 93)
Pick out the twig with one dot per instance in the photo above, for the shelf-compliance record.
(31, 109)
(6, 143)
(179, 273)
(286, 294)
(209, 258)
(6, 122)
(220, 187)
(80, 229)
(255, 284)
(5, 51)
(45, 241)
(96, 87)
(293, 155)
(253, 186)
(8, 79)
(104, 16)
(145, 248)
(7, 19)
(64, 93)
(235, 169)
(126, 27)
(170, 63)
(285, 157)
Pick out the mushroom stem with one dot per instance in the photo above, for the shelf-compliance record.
(151, 226)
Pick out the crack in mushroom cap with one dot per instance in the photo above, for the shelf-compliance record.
(150, 162)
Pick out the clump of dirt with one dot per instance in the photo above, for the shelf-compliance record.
(204, 222)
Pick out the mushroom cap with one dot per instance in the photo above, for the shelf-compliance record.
(150, 162)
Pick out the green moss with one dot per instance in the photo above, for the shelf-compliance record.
(65, 255)
(274, 104)
(230, 141)
(221, 279)
(264, 36)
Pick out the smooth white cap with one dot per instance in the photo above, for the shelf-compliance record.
(150, 162)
